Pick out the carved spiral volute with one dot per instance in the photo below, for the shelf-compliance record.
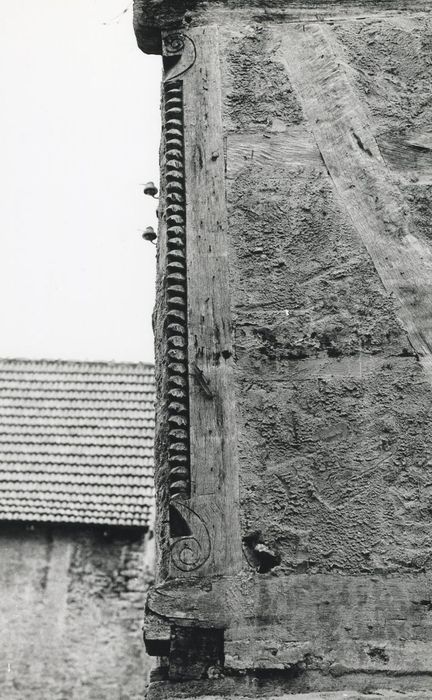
(191, 551)
(174, 44)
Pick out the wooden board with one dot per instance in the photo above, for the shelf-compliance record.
(270, 150)
(365, 185)
(210, 509)
(213, 436)
(409, 155)
(344, 622)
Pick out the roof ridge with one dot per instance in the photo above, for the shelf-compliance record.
(61, 362)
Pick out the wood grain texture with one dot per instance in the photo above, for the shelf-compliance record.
(213, 546)
(341, 622)
(270, 151)
(165, 692)
(151, 17)
(409, 155)
(214, 468)
(365, 185)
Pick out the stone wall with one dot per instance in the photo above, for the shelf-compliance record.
(71, 609)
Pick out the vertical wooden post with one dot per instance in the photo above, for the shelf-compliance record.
(203, 471)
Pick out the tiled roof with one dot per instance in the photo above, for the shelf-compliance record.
(76, 442)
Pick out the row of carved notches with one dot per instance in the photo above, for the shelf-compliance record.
(176, 328)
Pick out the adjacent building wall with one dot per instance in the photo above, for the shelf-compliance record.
(71, 608)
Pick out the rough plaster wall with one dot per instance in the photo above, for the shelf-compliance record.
(71, 606)
(390, 65)
(333, 405)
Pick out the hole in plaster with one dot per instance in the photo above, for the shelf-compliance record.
(259, 555)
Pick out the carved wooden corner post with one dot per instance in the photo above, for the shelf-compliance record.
(196, 462)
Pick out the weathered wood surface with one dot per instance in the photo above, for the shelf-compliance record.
(197, 472)
(271, 150)
(407, 156)
(151, 17)
(196, 443)
(365, 185)
(310, 12)
(214, 470)
(345, 623)
(165, 692)
(161, 354)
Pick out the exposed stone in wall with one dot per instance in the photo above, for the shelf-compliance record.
(71, 605)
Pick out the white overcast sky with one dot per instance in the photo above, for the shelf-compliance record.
(80, 130)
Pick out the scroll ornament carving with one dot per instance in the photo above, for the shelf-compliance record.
(191, 551)
(174, 43)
